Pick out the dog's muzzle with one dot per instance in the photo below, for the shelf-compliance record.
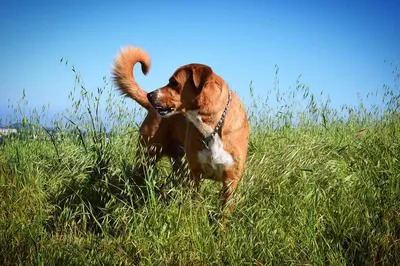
(162, 111)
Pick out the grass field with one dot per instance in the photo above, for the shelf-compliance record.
(321, 187)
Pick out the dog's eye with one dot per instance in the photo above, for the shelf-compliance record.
(172, 83)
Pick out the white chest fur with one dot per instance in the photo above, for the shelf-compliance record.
(215, 159)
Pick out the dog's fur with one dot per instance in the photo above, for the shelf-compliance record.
(182, 114)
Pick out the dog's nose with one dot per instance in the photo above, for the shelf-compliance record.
(150, 96)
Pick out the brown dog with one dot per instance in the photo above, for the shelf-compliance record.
(197, 111)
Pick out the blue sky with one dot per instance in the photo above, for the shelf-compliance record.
(338, 47)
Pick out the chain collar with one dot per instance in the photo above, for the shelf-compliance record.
(207, 140)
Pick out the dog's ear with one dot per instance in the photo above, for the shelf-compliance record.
(200, 75)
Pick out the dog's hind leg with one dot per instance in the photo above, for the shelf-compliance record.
(146, 157)
(176, 153)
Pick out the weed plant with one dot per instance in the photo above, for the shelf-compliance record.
(321, 187)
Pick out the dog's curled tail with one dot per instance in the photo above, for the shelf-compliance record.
(123, 73)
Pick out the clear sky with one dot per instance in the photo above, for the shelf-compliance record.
(338, 47)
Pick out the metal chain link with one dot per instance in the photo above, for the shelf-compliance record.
(207, 140)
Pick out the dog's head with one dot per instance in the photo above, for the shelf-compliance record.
(183, 91)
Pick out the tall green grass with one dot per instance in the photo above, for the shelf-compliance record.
(321, 187)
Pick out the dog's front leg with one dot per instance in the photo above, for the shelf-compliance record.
(229, 185)
(195, 177)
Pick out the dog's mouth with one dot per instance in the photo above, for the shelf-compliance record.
(164, 111)
(161, 110)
